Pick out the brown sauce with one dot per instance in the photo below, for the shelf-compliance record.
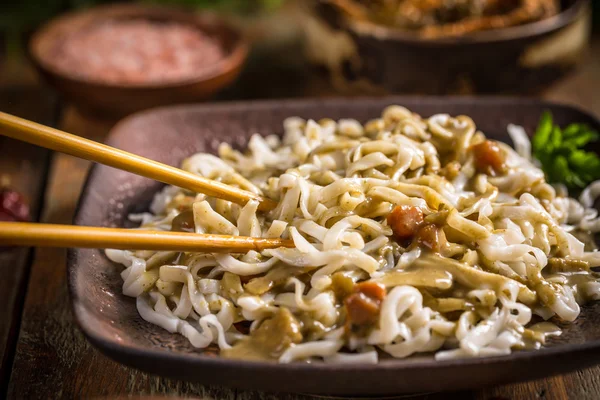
(275, 277)
(535, 336)
(342, 285)
(184, 222)
(269, 340)
(546, 328)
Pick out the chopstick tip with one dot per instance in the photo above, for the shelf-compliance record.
(266, 204)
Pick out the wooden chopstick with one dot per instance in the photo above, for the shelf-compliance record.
(54, 139)
(49, 235)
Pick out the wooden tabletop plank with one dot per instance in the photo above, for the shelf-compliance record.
(23, 168)
(256, 395)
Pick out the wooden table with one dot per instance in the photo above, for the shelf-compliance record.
(43, 353)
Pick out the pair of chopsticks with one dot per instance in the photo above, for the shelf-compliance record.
(48, 235)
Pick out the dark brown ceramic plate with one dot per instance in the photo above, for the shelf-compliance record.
(111, 322)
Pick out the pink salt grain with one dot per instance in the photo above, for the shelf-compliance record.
(137, 52)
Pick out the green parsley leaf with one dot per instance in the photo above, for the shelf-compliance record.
(561, 153)
(555, 139)
(584, 137)
(542, 134)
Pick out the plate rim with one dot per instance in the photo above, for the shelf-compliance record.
(112, 348)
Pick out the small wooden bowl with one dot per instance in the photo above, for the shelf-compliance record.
(118, 99)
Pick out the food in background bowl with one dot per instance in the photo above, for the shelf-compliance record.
(455, 58)
(440, 18)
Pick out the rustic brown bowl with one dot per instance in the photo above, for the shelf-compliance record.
(121, 99)
(520, 59)
(111, 322)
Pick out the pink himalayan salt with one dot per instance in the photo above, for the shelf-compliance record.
(137, 52)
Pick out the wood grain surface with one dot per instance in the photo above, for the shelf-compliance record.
(23, 168)
(53, 360)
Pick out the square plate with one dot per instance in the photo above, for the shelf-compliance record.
(111, 322)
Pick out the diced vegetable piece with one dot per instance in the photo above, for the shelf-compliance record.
(405, 221)
(363, 305)
(489, 158)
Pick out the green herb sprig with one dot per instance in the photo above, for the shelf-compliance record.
(562, 155)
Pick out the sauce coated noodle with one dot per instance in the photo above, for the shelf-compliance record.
(412, 236)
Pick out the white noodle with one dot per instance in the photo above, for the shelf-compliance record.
(508, 244)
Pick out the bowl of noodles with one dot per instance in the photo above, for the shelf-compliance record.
(457, 46)
(430, 254)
